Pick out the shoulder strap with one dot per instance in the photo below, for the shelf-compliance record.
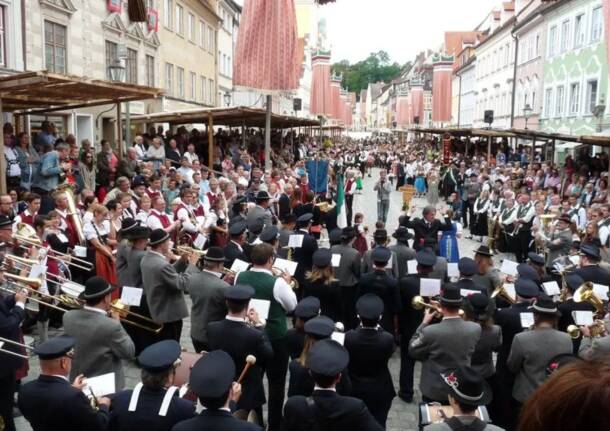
(457, 425)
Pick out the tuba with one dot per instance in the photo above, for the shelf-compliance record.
(501, 292)
(585, 293)
(73, 211)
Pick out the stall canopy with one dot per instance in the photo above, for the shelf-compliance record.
(231, 117)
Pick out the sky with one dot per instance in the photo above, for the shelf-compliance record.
(402, 28)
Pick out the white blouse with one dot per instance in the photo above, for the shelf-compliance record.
(90, 230)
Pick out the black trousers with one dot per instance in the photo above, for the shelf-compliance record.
(171, 331)
(379, 410)
(276, 370)
(407, 366)
(7, 392)
(467, 212)
(522, 246)
(200, 346)
(349, 202)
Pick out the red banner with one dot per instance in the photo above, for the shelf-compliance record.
(446, 149)
(114, 5)
(153, 20)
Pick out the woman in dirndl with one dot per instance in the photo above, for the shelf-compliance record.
(101, 238)
(420, 183)
(448, 245)
(481, 207)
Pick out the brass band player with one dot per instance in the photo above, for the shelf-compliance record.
(507, 219)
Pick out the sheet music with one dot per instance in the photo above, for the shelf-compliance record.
(295, 241)
(239, 266)
(509, 267)
(411, 266)
(285, 265)
(261, 306)
(100, 385)
(551, 288)
(429, 287)
(131, 296)
(336, 260)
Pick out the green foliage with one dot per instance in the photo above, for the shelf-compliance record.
(376, 67)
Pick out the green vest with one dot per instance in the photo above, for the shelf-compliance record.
(263, 284)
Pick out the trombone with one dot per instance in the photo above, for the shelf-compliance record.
(31, 262)
(31, 298)
(501, 292)
(185, 249)
(15, 343)
(124, 312)
(66, 258)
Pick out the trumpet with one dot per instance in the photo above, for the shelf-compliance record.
(15, 343)
(597, 329)
(294, 284)
(501, 292)
(66, 258)
(419, 303)
(185, 249)
(124, 312)
(585, 293)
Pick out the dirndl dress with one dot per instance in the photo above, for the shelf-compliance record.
(448, 245)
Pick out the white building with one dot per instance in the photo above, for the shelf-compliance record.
(464, 88)
(230, 13)
(11, 37)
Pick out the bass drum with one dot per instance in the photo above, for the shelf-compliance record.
(183, 372)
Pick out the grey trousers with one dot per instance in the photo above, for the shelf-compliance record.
(382, 210)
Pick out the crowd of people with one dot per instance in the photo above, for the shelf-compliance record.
(278, 287)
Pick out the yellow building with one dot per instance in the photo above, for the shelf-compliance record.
(188, 55)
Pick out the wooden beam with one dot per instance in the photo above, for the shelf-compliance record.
(119, 130)
(210, 142)
(2, 161)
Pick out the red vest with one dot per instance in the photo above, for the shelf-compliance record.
(27, 219)
(211, 198)
(199, 211)
(163, 218)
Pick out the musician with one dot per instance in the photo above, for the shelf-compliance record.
(241, 334)
(559, 242)
(188, 221)
(531, 351)
(401, 249)
(283, 300)
(158, 219)
(321, 283)
(270, 235)
(487, 276)
(370, 348)
(431, 344)
(212, 379)
(234, 248)
(590, 270)
(427, 227)
(508, 216)
(348, 273)
(595, 348)
(326, 362)
(537, 262)
(165, 284)
(306, 309)
(525, 214)
(238, 210)
(51, 402)
(468, 268)
(303, 255)
(288, 225)
(67, 223)
(467, 391)
(478, 226)
(101, 236)
(350, 189)
(27, 216)
(12, 314)
(154, 403)
(206, 289)
(380, 236)
(261, 210)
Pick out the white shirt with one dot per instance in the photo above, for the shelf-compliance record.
(282, 292)
(153, 221)
(186, 173)
(18, 220)
(191, 156)
(96, 310)
(184, 216)
(90, 231)
(142, 216)
(12, 162)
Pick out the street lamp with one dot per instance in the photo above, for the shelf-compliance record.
(227, 99)
(598, 111)
(116, 71)
(527, 111)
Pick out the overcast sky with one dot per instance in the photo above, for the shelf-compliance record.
(403, 28)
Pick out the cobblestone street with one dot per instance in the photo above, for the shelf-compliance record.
(402, 416)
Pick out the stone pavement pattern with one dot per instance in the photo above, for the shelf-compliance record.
(402, 416)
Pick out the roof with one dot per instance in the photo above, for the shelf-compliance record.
(38, 92)
(232, 117)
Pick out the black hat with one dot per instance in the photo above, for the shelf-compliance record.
(590, 250)
(565, 218)
(483, 250)
(468, 386)
(289, 218)
(451, 295)
(380, 234)
(55, 348)
(262, 196)
(212, 375)
(560, 361)
(5, 221)
(535, 258)
(545, 305)
(158, 236)
(478, 307)
(269, 234)
(322, 258)
(348, 233)
(138, 181)
(304, 219)
(381, 255)
(239, 200)
(160, 356)
(527, 272)
(307, 308)
(526, 288)
(335, 236)
(573, 281)
(215, 254)
(128, 224)
(425, 258)
(256, 226)
(239, 293)
(319, 327)
(467, 266)
(237, 228)
(369, 306)
(139, 232)
(96, 287)
(327, 358)
(402, 234)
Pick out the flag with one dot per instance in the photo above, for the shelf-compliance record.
(341, 213)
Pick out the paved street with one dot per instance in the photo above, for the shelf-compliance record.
(403, 416)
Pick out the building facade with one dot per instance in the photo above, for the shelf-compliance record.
(229, 11)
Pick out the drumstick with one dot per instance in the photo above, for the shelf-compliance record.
(250, 360)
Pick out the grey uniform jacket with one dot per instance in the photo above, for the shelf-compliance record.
(529, 356)
(207, 293)
(558, 250)
(442, 426)
(442, 347)
(101, 344)
(164, 285)
(367, 266)
(348, 271)
(403, 253)
(256, 213)
(594, 348)
(482, 358)
(129, 272)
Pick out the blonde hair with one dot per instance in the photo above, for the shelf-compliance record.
(325, 274)
(98, 209)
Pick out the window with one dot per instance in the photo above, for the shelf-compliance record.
(169, 78)
(230, 66)
(211, 42)
(150, 70)
(55, 47)
(552, 40)
(2, 40)
(180, 82)
(191, 27)
(565, 35)
(168, 8)
(179, 20)
(591, 96)
(111, 56)
(537, 47)
(131, 66)
(533, 101)
(202, 34)
(548, 100)
(193, 86)
(574, 98)
(579, 30)
(596, 24)
(202, 88)
(211, 91)
(559, 101)
(507, 54)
